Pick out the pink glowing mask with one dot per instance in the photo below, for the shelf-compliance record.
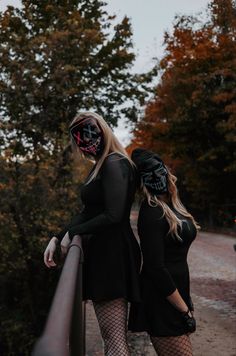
(88, 136)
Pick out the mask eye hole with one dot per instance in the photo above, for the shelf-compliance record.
(160, 171)
(146, 176)
(90, 132)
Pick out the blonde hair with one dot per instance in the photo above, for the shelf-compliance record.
(111, 143)
(173, 221)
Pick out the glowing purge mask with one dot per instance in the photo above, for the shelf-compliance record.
(88, 136)
(154, 176)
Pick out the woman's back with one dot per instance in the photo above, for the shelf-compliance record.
(115, 175)
(153, 230)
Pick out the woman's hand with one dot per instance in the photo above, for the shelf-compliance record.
(51, 248)
(65, 243)
(189, 322)
(49, 252)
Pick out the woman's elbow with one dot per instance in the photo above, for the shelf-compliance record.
(115, 218)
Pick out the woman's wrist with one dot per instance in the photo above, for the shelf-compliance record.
(185, 311)
(55, 239)
(189, 322)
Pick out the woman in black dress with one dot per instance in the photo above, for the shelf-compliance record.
(112, 255)
(166, 231)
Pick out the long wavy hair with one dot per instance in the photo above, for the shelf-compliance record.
(111, 143)
(174, 222)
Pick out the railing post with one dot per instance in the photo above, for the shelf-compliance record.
(55, 340)
(77, 336)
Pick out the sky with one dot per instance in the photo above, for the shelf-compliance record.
(149, 19)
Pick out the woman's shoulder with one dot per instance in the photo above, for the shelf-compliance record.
(150, 211)
(151, 219)
(116, 159)
(115, 156)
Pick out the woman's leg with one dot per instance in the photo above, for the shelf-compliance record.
(112, 319)
(172, 345)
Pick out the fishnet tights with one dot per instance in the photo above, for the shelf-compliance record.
(112, 319)
(172, 345)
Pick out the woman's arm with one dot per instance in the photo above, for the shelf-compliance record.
(177, 301)
(154, 229)
(77, 219)
(188, 320)
(115, 179)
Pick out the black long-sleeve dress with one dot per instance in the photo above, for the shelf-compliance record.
(112, 254)
(164, 269)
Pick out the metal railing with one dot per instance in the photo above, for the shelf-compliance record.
(64, 333)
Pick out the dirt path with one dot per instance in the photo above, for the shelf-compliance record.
(212, 262)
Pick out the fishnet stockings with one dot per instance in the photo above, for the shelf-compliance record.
(112, 319)
(172, 345)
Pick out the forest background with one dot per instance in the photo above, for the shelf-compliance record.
(56, 59)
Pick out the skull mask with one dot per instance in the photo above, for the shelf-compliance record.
(152, 170)
(154, 178)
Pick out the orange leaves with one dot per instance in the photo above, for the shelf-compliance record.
(191, 122)
(2, 186)
(231, 108)
(223, 97)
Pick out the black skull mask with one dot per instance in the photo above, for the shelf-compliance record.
(152, 170)
(155, 179)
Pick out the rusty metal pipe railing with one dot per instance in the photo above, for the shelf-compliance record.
(64, 331)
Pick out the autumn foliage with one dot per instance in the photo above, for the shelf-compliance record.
(191, 121)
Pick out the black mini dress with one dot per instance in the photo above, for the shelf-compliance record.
(164, 269)
(112, 254)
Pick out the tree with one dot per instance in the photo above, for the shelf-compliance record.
(61, 57)
(57, 57)
(193, 115)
